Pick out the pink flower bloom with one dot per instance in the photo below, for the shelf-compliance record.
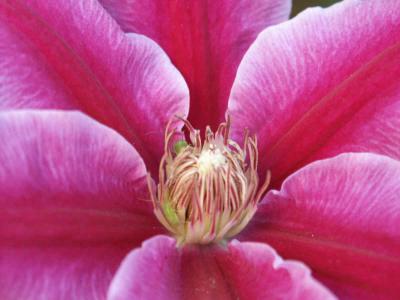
(320, 92)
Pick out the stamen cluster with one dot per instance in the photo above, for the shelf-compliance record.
(207, 191)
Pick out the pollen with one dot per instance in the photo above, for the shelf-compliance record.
(208, 190)
(211, 160)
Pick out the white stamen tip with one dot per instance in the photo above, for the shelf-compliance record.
(210, 159)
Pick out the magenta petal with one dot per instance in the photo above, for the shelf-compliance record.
(340, 216)
(321, 84)
(72, 54)
(205, 39)
(76, 272)
(73, 201)
(159, 270)
(61, 172)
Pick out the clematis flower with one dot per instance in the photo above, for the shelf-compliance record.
(84, 108)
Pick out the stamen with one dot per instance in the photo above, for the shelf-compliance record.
(207, 191)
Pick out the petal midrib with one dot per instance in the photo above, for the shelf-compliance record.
(73, 225)
(318, 240)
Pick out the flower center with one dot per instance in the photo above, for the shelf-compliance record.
(210, 160)
(208, 190)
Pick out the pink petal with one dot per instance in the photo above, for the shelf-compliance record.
(74, 272)
(71, 54)
(73, 200)
(340, 216)
(159, 270)
(322, 83)
(205, 39)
